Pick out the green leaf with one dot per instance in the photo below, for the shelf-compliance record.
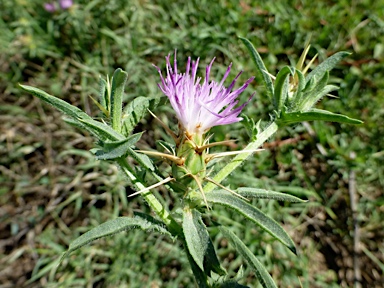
(260, 66)
(80, 118)
(102, 109)
(250, 126)
(316, 114)
(59, 104)
(150, 219)
(250, 192)
(118, 82)
(102, 131)
(281, 87)
(261, 273)
(199, 244)
(196, 235)
(296, 98)
(211, 262)
(134, 112)
(327, 65)
(310, 85)
(298, 191)
(200, 277)
(143, 160)
(113, 227)
(103, 95)
(319, 90)
(252, 213)
(316, 96)
(117, 149)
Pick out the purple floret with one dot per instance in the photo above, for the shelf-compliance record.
(201, 106)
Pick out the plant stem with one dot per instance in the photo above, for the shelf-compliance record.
(236, 162)
(168, 220)
(173, 226)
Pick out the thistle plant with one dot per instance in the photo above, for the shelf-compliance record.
(199, 104)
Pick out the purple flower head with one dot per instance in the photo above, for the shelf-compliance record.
(50, 7)
(65, 4)
(201, 105)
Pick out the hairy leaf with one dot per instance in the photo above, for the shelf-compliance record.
(59, 104)
(252, 213)
(143, 160)
(327, 65)
(117, 149)
(281, 87)
(260, 66)
(317, 114)
(250, 192)
(311, 97)
(261, 273)
(199, 244)
(112, 227)
(196, 235)
(118, 82)
(296, 98)
(103, 94)
(102, 131)
(134, 112)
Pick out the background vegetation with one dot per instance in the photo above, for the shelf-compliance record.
(52, 189)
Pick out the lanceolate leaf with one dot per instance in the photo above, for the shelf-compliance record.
(103, 95)
(299, 91)
(102, 131)
(143, 160)
(117, 149)
(211, 262)
(314, 97)
(80, 118)
(327, 65)
(309, 85)
(59, 104)
(317, 114)
(134, 112)
(261, 273)
(250, 192)
(199, 244)
(252, 213)
(281, 87)
(196, 235)
(260, 66)
(150, 219)
(118, 82)
(319, 90)
(115, 226)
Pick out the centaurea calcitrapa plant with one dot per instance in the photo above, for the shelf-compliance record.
(199, 104)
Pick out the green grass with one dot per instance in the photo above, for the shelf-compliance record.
(52, 189)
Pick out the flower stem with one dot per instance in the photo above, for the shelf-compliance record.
(173, 226)
(236, 162)
(152, 201)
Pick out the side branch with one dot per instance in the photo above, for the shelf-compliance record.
(223, 173)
